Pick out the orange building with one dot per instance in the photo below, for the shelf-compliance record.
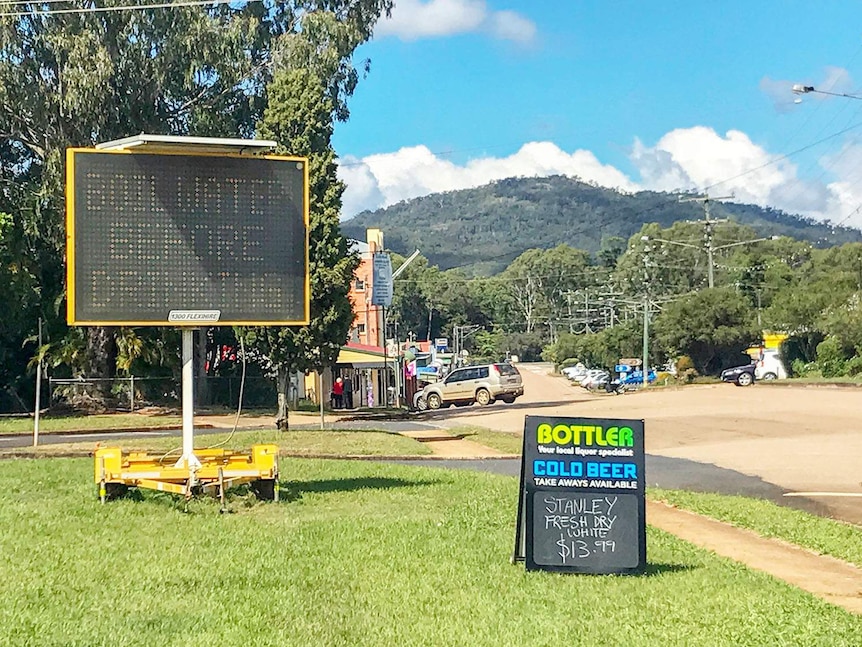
(367, 329)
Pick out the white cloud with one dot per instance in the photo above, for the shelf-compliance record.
(682, 160)
(415, 19)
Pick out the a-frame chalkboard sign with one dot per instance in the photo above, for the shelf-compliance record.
(581, 505)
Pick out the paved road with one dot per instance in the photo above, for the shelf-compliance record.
(799, 444)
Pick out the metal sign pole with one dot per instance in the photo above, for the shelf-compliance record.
(188, 458)
(38, 390)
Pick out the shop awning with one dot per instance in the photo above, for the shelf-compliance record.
(360, 356)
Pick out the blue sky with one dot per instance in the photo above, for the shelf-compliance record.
(632, 95)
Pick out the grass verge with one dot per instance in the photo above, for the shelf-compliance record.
(312, 443)
(824, 536)
(88, 423)
(502, 441)
(358, 554)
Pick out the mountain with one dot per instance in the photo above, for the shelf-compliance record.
(483, 229)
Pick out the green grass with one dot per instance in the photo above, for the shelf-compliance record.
(314, 443)
(88, 423)
(360, 554)
(825, 536)
(502, 441)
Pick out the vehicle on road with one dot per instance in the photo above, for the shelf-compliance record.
(768, 365)
(575, 373)
(632, 381)
(469, 384)
(419, 401)
(596, 378)
(740, 375)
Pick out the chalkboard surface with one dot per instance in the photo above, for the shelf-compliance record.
(582, 501)
(595, 532)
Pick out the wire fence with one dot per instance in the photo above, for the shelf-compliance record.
(134, 393)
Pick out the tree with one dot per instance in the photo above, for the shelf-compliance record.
(300, 117)
(712, 327)
(80, 78)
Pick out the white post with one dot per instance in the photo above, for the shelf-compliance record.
(188, 459)
(320, 395)
(38, 390)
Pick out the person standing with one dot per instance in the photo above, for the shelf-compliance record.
(338, 392)
(348, 392)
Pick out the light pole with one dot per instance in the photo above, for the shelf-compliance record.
(710, 249)
(799, 88)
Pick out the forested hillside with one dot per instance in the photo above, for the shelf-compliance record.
(483, 229)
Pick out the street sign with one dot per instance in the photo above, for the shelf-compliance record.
(381, 284)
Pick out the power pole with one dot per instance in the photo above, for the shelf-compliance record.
(707, 232)
(645, 366)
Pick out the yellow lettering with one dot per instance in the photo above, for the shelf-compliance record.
(562, 435)
(612, 435)
(600, 437)
(543, 433)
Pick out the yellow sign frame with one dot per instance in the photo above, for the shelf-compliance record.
(174, 151)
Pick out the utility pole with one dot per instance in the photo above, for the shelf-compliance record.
(645, 366)
(708, 232)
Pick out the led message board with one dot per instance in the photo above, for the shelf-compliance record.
(186, 239)
(582, 505)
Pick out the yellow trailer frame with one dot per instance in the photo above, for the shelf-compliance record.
(214, 471)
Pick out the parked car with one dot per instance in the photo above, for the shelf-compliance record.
(483, 384)
(595, 378)
(630, 382)
(575, 373)
(768, 366)
(740, 375)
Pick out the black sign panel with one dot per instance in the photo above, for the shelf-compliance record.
(155, 239)
(582, 505)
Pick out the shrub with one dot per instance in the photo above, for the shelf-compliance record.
(830, 357)
(853, 366)
(684, 363)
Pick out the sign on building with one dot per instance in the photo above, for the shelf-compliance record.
(381, 284)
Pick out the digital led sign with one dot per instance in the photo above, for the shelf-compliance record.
(186, 239)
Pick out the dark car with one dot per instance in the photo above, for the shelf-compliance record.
(739, 375)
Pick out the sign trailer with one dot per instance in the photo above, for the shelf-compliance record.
(186, 231)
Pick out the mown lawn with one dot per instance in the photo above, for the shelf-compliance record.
(331, 442)
(357, 553)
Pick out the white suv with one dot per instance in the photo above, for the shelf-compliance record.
(768, 366)
(469, 384)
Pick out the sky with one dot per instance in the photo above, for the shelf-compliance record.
(668, 95)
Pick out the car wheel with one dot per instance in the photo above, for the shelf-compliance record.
(421, 403)
(769, 376)
(433, 401)
(483, 397)
(509, 399)
(744, 379)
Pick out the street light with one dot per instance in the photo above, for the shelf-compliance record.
(710, 249)
(799, 88)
